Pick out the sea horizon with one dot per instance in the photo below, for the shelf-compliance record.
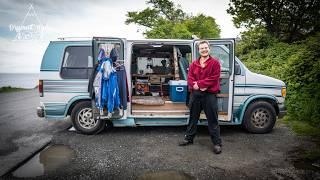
(19, 80)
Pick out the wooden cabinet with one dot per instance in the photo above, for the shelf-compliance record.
(153, 84)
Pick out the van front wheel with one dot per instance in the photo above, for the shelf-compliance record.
(82, 120)
(259, 117)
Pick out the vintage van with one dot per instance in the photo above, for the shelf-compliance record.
(246, 98)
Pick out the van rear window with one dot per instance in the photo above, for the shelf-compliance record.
(77, 62)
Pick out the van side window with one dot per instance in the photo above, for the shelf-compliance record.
(237, 68)
(77, 62)
(222, 55)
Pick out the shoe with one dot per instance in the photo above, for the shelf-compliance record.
(217, 149)
(185, 143)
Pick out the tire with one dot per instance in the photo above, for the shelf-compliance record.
(259, 117)
(81, 117)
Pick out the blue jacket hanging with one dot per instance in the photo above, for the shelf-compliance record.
(110, 93)
(106, 86)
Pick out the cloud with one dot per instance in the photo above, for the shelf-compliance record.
(81, 18)
(62, 19)
(21, 56)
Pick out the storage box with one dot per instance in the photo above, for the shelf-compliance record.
(154, 79)
(142, 88)
(178, 90)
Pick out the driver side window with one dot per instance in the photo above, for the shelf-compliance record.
(219, 53)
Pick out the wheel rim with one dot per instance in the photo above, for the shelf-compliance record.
(85, 119)
(260, 118)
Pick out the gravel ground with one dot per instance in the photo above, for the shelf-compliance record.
(153, 153)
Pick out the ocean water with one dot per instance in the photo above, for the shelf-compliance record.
(21, 80)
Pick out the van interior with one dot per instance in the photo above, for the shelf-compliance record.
(155, 70)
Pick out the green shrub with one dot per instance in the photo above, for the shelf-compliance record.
(297, 64)
(303, 78)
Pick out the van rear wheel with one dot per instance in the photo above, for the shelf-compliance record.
(82, 120)
(259, 117)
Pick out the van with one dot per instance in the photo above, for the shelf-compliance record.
(156, 74)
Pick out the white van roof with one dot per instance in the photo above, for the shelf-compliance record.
(130, 40)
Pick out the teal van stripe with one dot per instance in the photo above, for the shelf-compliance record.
(65, 81)
(78, 92)
(255, 94)
(44, 70)
(62, 86)
(258, 86)
(55, 109)
(243, 107)
(76, 98)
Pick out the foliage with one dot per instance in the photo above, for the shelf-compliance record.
(301, 127)
(303, 78)
(165, 20)
(297, 64)
(254, 38)
(288, 20)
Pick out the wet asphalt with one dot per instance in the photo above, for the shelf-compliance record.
(21, 131)
(143, 152)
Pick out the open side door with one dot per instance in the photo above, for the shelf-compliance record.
(222, 49)
(108, 43)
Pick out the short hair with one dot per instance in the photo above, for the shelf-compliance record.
(203, 42)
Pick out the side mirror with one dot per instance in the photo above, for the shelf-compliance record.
(237, 69)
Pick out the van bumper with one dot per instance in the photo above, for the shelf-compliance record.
(282, 110)
(40, 111)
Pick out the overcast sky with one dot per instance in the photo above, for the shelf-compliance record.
(79, 18)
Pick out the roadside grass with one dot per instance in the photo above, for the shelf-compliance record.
(311, 154)
(10, 89)
(302, 128)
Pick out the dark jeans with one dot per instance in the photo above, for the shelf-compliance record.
(208, 102)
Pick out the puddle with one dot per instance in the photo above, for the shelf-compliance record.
(172, 175)
(306, 165)
(49, 159)
(306, 160)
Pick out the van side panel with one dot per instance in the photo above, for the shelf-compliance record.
(251, 87)
(58, 93)
(52, 57)
(251, 99)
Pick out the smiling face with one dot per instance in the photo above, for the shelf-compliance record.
(204, 49)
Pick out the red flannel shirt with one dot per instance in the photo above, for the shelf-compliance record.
(206, 77)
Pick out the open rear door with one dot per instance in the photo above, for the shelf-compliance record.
(222, 49)
(109, 43)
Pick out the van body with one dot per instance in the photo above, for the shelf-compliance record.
(246, 98)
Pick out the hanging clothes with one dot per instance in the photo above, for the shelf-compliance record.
(122, 82)
(97, 89)
(108, 89)
(91, 90)
(105, 85)
(122, 78)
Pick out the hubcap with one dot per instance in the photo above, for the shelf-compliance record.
(260, 118)
(85, 119)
